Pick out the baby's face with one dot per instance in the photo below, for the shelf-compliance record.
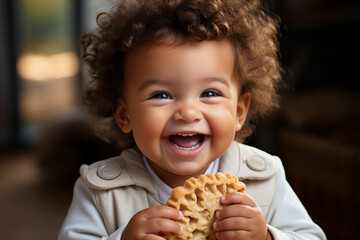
(182, 105)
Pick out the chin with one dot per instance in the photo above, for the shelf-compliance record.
(189, 171)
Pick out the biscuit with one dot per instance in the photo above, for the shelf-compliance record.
(198, 200)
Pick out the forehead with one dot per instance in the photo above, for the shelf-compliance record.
(210, 56)
(188, 63)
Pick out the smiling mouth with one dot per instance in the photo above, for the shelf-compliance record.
(188, 141)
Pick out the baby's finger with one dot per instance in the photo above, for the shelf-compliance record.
(238, 198)
(237, 210)
(162, 225)
(153, 237)
(239, 234)
(163, 212)
(236, 223)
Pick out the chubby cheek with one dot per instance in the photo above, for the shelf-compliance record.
(147, 129)
(223, 123)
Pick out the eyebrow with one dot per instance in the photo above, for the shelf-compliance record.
(148, 83)
(217, 79)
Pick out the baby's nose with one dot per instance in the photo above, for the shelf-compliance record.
(188, 112)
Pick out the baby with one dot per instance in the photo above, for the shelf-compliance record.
(175, 82)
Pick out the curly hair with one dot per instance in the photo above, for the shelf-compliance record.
(247, 24)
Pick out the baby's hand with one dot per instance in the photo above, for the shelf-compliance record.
(150, 222)
(242, 219)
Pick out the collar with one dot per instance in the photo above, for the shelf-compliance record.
(124, 170)
(128, 169)
(248, 163)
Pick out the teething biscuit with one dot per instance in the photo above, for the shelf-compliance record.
(198, 200)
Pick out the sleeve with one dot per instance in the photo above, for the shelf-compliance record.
(287, 217)
(83, 221)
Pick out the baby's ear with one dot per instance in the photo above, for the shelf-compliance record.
(242, 110)
(121, 116)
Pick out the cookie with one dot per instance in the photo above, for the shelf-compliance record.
(198, 200)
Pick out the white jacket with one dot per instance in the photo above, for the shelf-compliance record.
(110, 192)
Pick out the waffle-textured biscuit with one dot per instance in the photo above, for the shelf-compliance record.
(198, 200)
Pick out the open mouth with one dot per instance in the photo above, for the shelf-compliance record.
(188, 141)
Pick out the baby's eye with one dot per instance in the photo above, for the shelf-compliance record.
(210, 93)
(160, 95)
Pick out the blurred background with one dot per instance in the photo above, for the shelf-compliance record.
(44, 138)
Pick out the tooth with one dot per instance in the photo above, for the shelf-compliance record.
(186, 134)
(190, 148)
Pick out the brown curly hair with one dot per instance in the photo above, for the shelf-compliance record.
(245, 23)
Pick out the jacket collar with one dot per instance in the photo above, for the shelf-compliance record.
(247, 163)
(124, 170)
(128, 169)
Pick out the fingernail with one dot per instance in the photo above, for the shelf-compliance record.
(181, 229)
(215, 225)
(217, 214)
(181, 215)
(223, 198)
